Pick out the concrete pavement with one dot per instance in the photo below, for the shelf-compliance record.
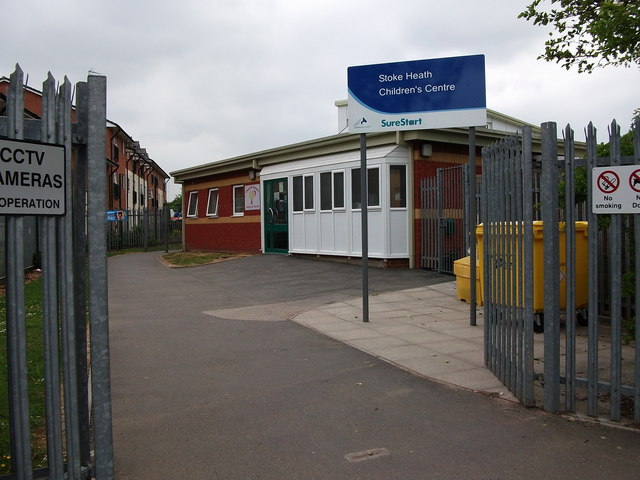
(425, 330)
(211, 381)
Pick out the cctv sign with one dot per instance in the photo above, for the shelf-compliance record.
(32, 178)
(616, 189)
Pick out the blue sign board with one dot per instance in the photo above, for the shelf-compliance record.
(117, 216)
(415, 95)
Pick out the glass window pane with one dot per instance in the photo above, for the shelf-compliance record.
(398, 186)
(355, 188)
(325, 191)
(192, 209)
(373, 187)
(338, 190)
(308, 193)
(238, 200)
(297, 194)
(212, 203)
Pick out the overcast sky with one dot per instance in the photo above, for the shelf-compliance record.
(196, 81)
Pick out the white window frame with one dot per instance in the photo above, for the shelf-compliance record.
(369, 206)
(404, 187)
(294, 192)
(235, 206)
(193, 194)
(305, 192)
(217, 197)
(322, 193)
(344, 190)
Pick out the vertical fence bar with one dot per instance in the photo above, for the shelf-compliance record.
(514, 265)
(438, 194)
(502, 251)
(66, 249)
(471, 224)
(80, 273)
(98, 307)
(486, 174)
(592, 350)
(549, 194)
(490, 246)
(636, 222)
(616, 286)
(518, 256)
(491, 263)
(509, 264)
(527, 277)
(570, 280)
(145, 228)
(167, 221)
(433, 222)
(422, 224)
(16, 333)
(48, 235)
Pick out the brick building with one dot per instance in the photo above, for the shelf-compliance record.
(305, 198)
(134, 180)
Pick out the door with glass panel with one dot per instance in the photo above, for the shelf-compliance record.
(276, 223)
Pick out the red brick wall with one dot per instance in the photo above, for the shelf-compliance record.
(225, 232)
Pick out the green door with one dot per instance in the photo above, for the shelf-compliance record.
(276, 224)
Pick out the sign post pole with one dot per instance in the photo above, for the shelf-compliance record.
(364, 209)
(472, 226)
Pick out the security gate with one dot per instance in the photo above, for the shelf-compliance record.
(443, 218)
(73, 377)
(595, 369)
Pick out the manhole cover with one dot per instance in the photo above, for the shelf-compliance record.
(366, 455)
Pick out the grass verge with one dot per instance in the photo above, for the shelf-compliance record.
(196, 257)
(35, 369)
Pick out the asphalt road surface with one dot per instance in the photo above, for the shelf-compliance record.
(197, 396)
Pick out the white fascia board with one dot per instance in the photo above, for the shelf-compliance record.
(327, 161)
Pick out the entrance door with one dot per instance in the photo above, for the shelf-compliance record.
(276, 224)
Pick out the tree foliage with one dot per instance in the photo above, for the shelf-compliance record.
(589, 34)
(176, 203)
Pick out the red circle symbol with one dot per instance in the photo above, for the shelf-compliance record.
(634, 180)
(608, 181)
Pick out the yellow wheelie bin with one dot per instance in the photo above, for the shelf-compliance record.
(582, 264)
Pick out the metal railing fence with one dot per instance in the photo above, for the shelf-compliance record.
(144, 228)
(443, 214)
(75, 369)
(561, 279)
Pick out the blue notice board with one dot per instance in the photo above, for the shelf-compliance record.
(415, 95)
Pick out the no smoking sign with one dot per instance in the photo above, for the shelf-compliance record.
(608, 181)
(616, 189)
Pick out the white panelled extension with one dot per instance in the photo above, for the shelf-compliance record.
(325, 206)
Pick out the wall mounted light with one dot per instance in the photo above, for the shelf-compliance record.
(427, 150)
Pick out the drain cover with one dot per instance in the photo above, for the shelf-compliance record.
(367, 455)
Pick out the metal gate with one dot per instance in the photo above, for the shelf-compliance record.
(442, 220)
(535, 273)
(73, 376)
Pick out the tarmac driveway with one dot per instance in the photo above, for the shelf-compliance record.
(227, 397)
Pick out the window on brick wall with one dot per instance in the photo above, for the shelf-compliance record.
(238, 200)
(192, 209)
(212, 203)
